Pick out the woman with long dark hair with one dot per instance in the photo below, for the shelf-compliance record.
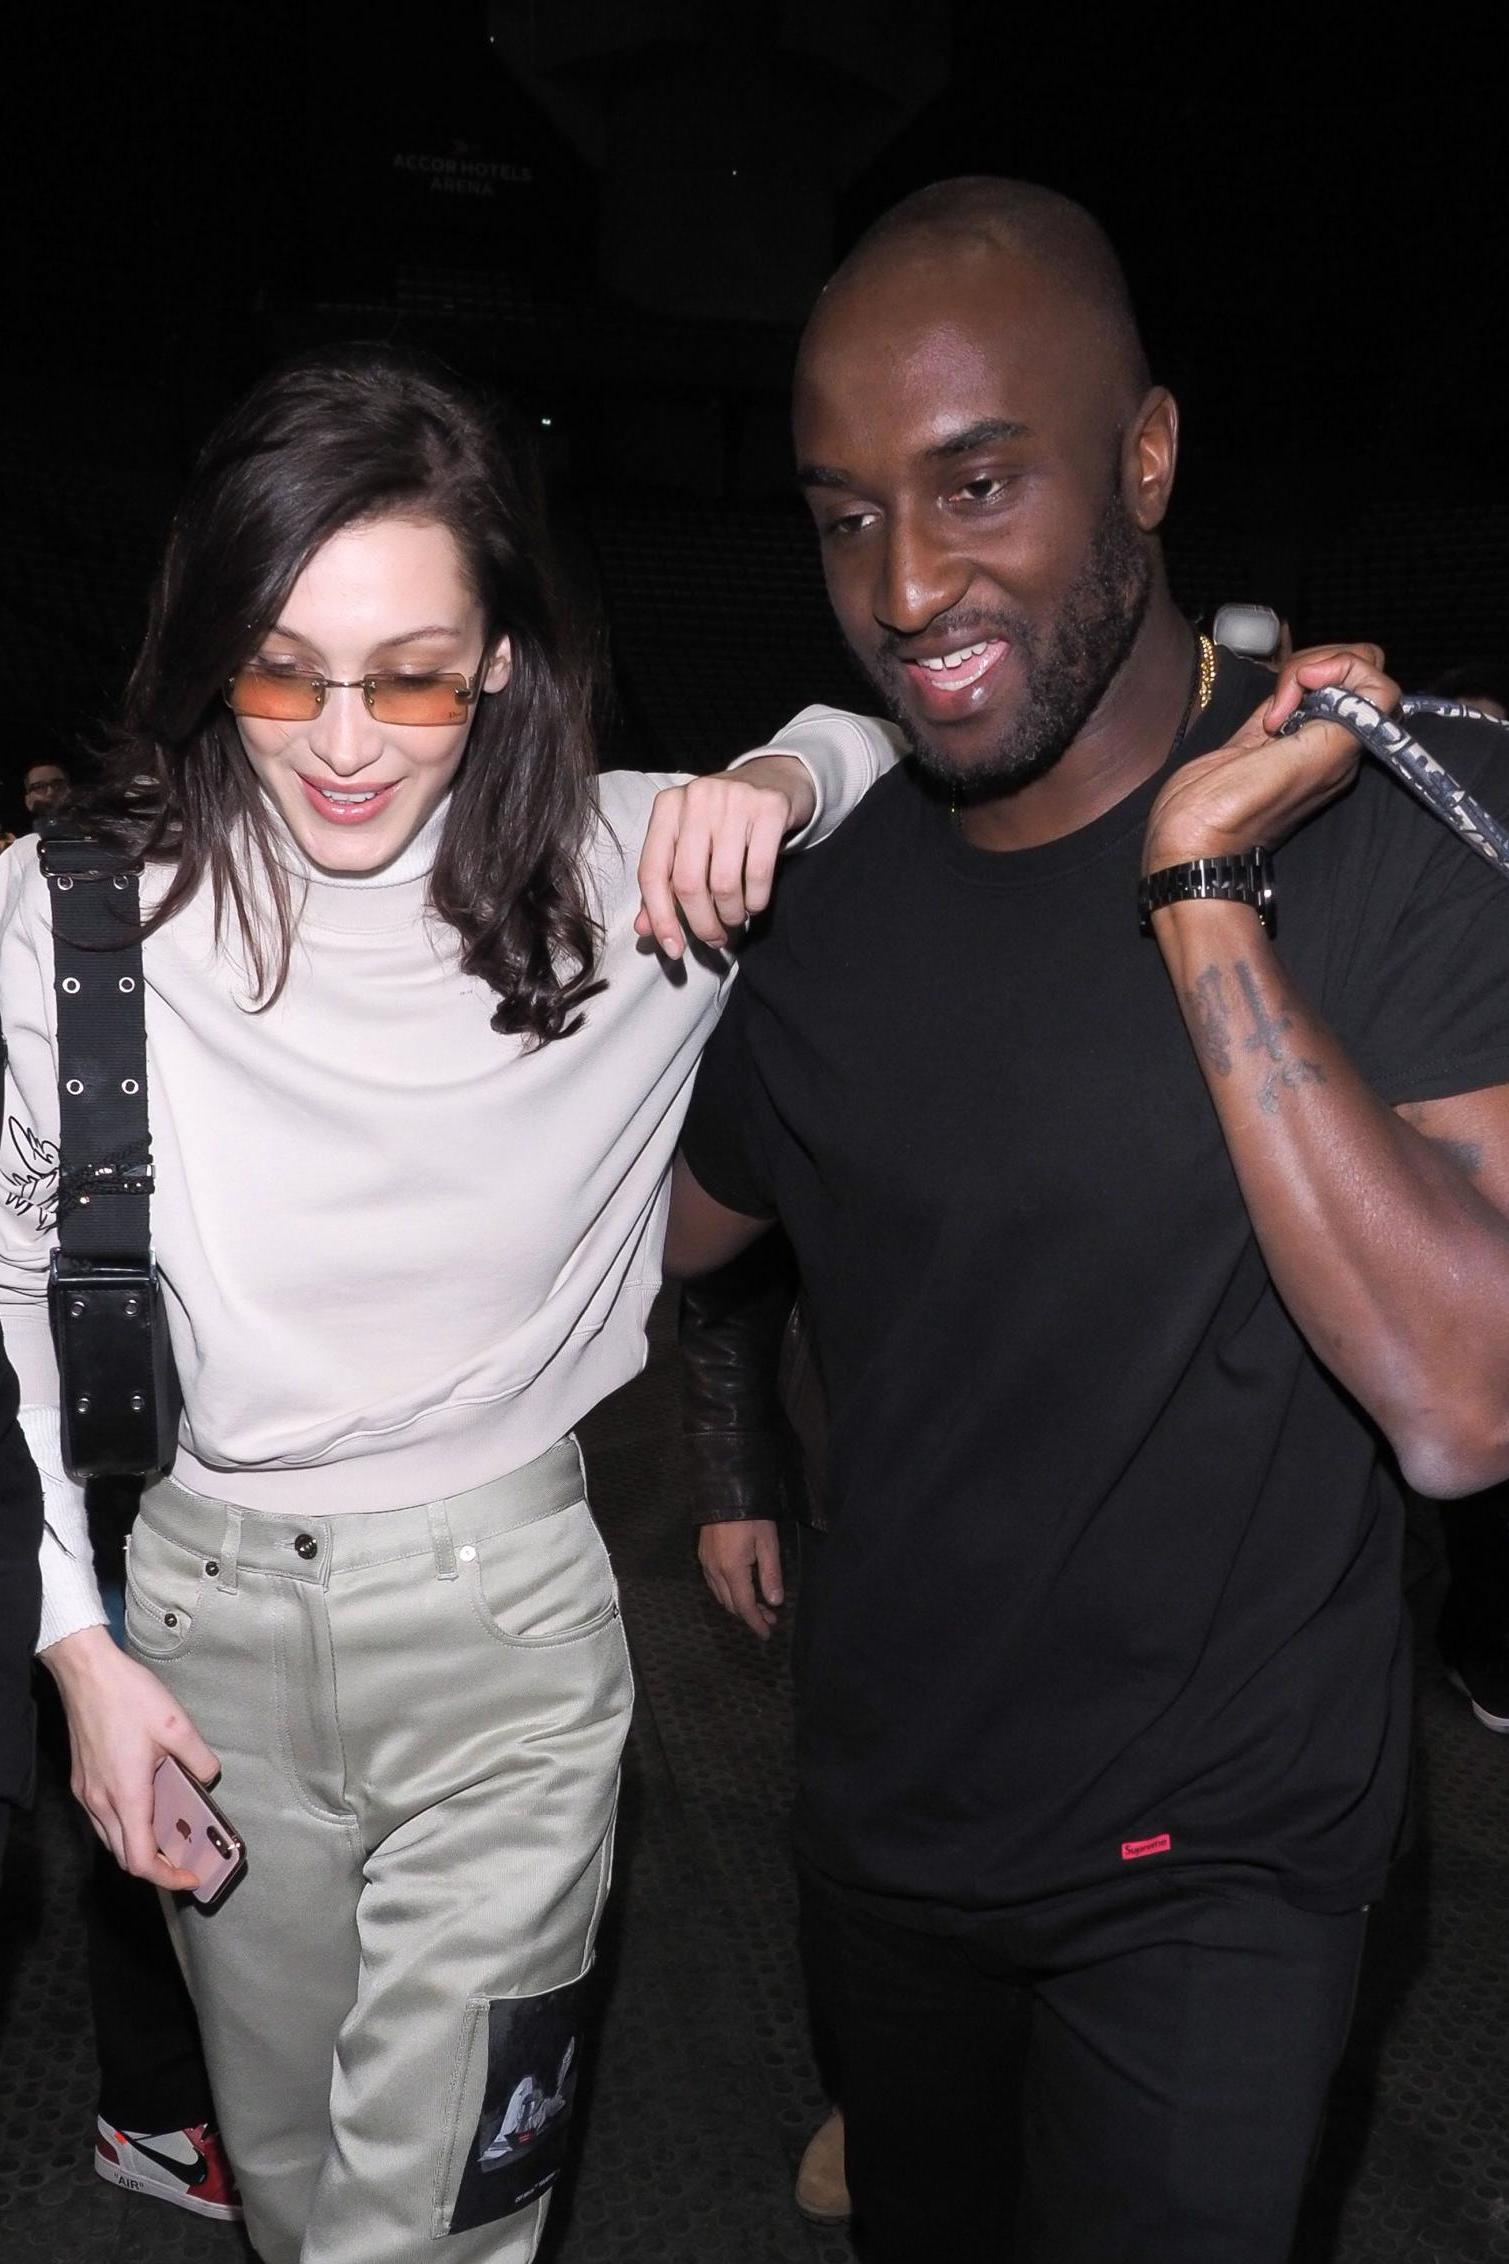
(416, 1069)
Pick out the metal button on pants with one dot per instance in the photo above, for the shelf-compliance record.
(419, 1715)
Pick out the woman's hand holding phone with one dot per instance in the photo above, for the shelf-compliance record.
(121, 1721)
(187, 1821)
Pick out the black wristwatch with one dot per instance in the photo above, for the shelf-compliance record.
(1247, 879)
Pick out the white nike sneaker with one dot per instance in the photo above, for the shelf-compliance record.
(187, 2167)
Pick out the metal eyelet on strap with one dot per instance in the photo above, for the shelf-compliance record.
(128, 982)
(70, 984)
(61, 881)
(119, 880)
(74, 1085)
(129, 1085)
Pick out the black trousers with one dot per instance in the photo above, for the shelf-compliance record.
(1133, 2076)
(20, 1599)
(152, 2072)
(146, 2034)
(1475, 1612)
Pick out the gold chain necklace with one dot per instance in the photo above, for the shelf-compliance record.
(1207, 683)
(1200, 691)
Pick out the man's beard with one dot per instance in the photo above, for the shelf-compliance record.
(1066, 671)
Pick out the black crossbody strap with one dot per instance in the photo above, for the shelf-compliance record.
(105, 1177)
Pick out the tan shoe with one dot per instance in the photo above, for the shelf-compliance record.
(821, 2193)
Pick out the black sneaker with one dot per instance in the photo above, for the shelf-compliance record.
(1480, 1670)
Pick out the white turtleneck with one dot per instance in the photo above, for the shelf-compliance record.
(401, 1254)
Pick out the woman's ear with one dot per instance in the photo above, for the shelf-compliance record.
(500, 666)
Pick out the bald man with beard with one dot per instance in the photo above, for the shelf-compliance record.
(1139, 1234)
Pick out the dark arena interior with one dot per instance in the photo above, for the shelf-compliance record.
(619, 216)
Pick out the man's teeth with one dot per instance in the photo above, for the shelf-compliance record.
(955, 659)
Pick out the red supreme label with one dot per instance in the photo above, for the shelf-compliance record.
(1132, 1848)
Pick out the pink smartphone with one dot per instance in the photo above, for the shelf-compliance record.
(192, 1833)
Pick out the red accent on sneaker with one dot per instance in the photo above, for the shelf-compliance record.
(219, 2183)
(151, 2162)
(1132, 1848)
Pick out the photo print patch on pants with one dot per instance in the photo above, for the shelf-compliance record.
(516, 2153)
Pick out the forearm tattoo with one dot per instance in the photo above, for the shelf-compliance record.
(1210, 1020)
(1208, 1006)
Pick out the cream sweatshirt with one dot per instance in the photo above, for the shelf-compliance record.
(401, 1254)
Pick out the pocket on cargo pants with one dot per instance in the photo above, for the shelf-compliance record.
(499, 2160)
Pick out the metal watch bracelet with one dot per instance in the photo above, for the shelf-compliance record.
(1243, 879)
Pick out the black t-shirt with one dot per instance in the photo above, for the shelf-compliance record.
(1113, 1575)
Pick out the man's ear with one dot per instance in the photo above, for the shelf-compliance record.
(1149, 458)
(499, 666)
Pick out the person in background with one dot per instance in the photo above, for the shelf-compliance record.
(754, 1427)
(751, 1423)
(45, 790)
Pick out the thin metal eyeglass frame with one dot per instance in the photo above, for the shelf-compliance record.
(466, 690)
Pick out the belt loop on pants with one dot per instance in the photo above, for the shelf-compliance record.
(230, 1551)
(440, 1538)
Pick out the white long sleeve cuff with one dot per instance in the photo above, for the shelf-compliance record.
(843, 755)
(70, 1592)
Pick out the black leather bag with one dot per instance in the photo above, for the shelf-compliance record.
(120, 1399)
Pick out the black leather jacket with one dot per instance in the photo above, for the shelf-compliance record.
(752, 1412)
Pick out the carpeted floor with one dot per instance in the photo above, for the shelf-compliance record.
(703, 2089)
